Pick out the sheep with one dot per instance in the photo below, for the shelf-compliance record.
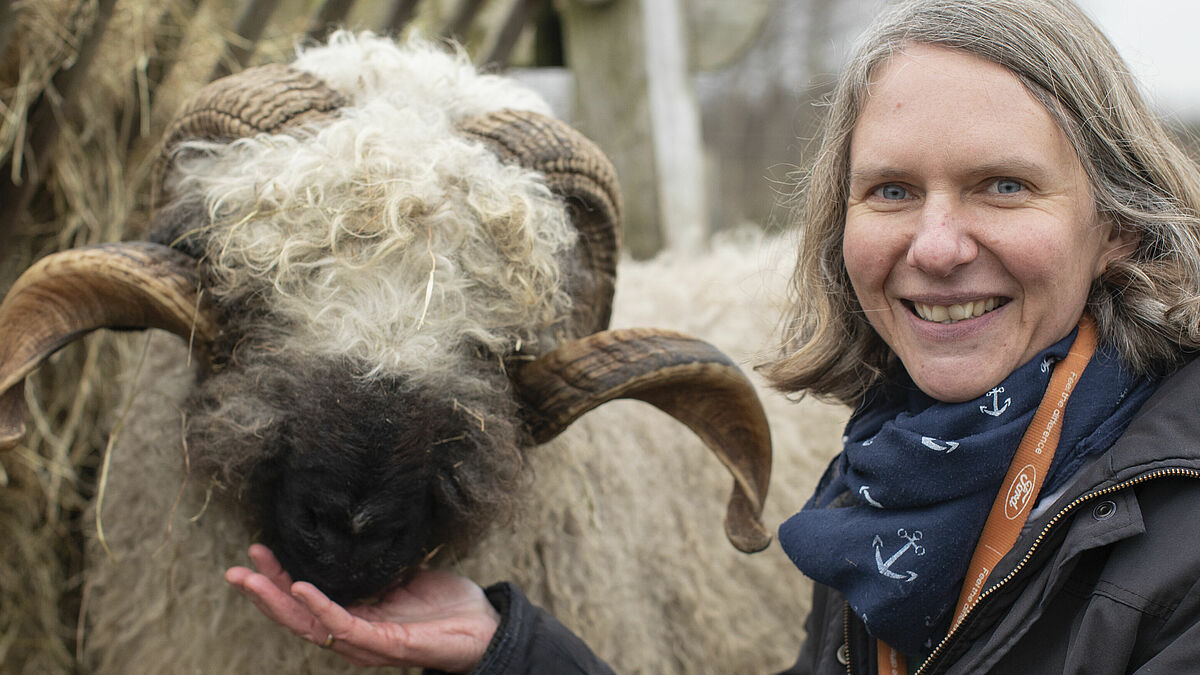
(613, 535)
(155, 603)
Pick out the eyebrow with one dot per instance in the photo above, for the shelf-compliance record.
(1017, 167)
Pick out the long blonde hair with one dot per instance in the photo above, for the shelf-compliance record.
(1147, 306)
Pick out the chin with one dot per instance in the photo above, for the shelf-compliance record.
(951, 388)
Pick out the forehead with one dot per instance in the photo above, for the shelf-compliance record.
(953, 107)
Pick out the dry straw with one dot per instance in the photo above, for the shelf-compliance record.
(92, 188)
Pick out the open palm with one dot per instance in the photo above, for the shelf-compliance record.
(437, 620)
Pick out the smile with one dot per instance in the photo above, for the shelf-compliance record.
(959, 312)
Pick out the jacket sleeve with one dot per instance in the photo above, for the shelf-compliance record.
(530, 640)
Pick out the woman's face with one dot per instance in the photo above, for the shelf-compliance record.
(971, 236)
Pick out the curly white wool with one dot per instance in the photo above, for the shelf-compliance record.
(363, 66)
(385, 235)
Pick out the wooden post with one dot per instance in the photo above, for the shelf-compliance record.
(519, 16)
(464, 14)
(250, 24)
(331, 14)
(399, 15)
(8, 23)
(635, 99)
(675, 127)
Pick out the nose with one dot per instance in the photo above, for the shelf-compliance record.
(942, 241)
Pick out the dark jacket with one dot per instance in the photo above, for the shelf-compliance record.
(1107, 580)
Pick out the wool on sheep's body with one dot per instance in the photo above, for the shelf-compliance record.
(619, 533)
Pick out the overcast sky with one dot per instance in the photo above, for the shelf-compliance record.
(1158, 40)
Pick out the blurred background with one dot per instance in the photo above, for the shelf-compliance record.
(705, 106)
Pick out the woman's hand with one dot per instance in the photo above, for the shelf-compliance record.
(438, 620)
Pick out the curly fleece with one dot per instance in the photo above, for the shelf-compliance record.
(385, 236)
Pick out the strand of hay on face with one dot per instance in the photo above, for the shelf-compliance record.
(470, 412)
(187, 473)
(432, 271)
(192, 332)
(101, 489)
(203, 507)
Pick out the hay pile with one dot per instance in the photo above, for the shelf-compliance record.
(87, 195)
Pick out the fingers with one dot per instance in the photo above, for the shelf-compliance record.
(268, 565)
(276, 604)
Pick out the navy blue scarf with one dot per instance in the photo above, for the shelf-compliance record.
(896, 516)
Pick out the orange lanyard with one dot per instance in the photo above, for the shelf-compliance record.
(1021, 485)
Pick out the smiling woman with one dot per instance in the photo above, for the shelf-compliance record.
(999, 269)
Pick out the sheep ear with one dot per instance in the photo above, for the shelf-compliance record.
(69, 294)
(577, 171)
(687, 378)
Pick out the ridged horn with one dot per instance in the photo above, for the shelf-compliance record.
(579, 172)
(69, 294)
(265, 99)
(687, 378)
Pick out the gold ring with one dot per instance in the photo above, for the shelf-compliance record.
(328, 642)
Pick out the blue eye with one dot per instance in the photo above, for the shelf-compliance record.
(892, 191)
(1007, 186)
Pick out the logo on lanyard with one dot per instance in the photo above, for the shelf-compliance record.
(1019, 492)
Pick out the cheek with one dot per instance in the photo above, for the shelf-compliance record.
(1058, 267)
(869, 258)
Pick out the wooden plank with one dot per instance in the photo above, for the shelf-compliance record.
(519, 16)
(464, 14)
(399, 15)
(675, 123)
(634, 98)
(247, 30)
(8, 23)
(331, 15)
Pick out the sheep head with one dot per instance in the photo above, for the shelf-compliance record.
(362, 457)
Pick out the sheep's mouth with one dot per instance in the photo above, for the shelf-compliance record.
(948, 314)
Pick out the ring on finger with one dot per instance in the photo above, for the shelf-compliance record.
(328, 642)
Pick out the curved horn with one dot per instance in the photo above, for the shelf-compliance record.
(265, 99)
(687, 378)
(69, 294)
(579, 172)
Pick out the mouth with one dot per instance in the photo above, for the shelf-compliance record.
(947, 314)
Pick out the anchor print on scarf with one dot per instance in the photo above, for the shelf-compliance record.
(996, 409)
(939, 445)
(885, 566)
(865, 491)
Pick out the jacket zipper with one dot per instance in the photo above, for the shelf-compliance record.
(846, 638)
(1036, 543)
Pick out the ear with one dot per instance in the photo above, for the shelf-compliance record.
(1119, 243)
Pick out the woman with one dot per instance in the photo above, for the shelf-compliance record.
(1000, 272)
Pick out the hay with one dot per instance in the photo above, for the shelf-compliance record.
(93, 190)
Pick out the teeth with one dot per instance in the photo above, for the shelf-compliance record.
(955, 313)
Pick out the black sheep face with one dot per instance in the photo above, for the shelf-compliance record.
(361, 480)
